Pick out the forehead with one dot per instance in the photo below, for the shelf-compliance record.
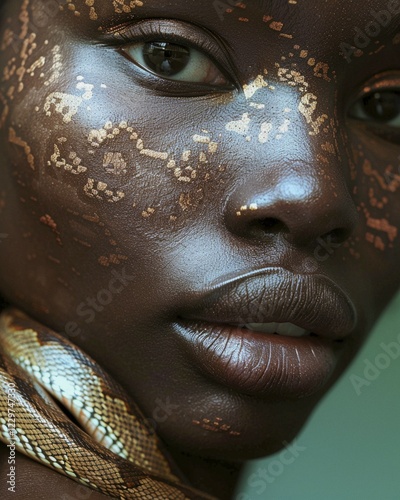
(260, 26)
(294, 13)
(319, 15)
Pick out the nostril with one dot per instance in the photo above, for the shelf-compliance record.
(270, 223)
(267, 225)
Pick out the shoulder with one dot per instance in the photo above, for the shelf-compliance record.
(33, 480)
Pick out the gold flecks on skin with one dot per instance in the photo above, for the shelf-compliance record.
(27, 50)
(89, 228)
(286, 35)
(384, 226)
(276, 25)
(24, 18)
(4, 110)
(56, 67)
(257, 84)
(201, 139)
(186, 155)
(266, 128)
(184, 170)
(283, 129)
(379, 225)
(245, 208)
(239, 126)
(293, 78)
(307, 108)
(375, 202)
(148, 213)
(100, 191)
(112, 259)
(379, 49)
(114, 163)
(157, 155)
(109, 132)
(14, 139)
(321, 70)
(215, 425)
(126, 6)
(71, 6)
(328, 147)
(394, 179)
(39, 63)
(66, 105)
(257, 105)
(48, 221)
(92, 12)
(376, 241)
(73, 164)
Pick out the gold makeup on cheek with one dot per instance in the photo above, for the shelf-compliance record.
(381, 225)
(119, 167)
(388, 181)
(375, 191)
(18, 141)
(307, 105)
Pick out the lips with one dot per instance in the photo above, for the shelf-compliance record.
(269, 332)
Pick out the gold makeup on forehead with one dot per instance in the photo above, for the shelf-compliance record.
(88, 7)
(71, 5)
(126, 6)
(240, 9)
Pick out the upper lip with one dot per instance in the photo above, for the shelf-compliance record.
(312, 302)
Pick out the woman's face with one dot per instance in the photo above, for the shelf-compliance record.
(173, 171)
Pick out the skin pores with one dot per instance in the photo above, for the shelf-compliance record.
(125, 197)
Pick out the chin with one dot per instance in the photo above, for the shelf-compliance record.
(235, 428)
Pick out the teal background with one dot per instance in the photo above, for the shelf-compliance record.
(352, 442)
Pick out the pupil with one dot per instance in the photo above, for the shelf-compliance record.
(166, 59)
(383, 106)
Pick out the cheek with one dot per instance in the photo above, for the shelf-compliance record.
(377, 192)
(376, 185)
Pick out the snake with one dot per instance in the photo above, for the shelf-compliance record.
(62, 409)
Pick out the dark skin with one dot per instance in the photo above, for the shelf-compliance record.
(108, 167)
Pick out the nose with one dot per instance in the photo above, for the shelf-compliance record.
(300, 201)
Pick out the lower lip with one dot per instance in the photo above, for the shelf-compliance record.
(260, 364)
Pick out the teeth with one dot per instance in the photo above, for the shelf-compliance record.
(286, 329)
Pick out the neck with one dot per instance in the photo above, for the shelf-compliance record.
(215, 477)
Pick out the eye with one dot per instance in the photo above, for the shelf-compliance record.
(379, 108)
(173, 58)
(176, 62)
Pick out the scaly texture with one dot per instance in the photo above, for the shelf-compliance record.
(116, 453)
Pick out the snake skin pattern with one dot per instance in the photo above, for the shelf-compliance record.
(113, 451)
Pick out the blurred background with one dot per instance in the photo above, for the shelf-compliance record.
(350, 448)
